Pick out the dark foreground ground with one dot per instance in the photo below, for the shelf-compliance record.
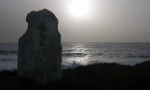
(104, 76)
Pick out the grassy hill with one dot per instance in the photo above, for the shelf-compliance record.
(102, 76)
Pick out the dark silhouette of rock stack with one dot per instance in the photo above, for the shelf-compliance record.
(39, 52)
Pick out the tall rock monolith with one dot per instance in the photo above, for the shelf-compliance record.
(39, 51)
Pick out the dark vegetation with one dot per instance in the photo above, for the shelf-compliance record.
(103, 76)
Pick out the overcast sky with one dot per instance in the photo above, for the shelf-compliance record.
(102, 20)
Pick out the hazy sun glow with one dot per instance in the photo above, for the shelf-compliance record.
(79, 7)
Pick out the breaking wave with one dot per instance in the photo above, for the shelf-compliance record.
(140, 56)
(8, 52)
(74, 54)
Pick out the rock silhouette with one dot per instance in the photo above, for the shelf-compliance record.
(40, 51)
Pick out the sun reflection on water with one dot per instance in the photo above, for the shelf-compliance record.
(78, 54)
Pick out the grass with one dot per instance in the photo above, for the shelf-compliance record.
(102, 76)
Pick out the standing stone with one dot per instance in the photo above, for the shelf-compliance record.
(39, 52)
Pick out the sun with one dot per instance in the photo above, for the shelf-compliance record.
(79, 7)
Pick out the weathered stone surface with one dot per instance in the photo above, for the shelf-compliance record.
(39, 52)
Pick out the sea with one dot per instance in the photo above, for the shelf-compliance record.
(82, 54)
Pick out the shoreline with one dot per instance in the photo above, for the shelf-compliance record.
(103, 76)
(76, 64)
